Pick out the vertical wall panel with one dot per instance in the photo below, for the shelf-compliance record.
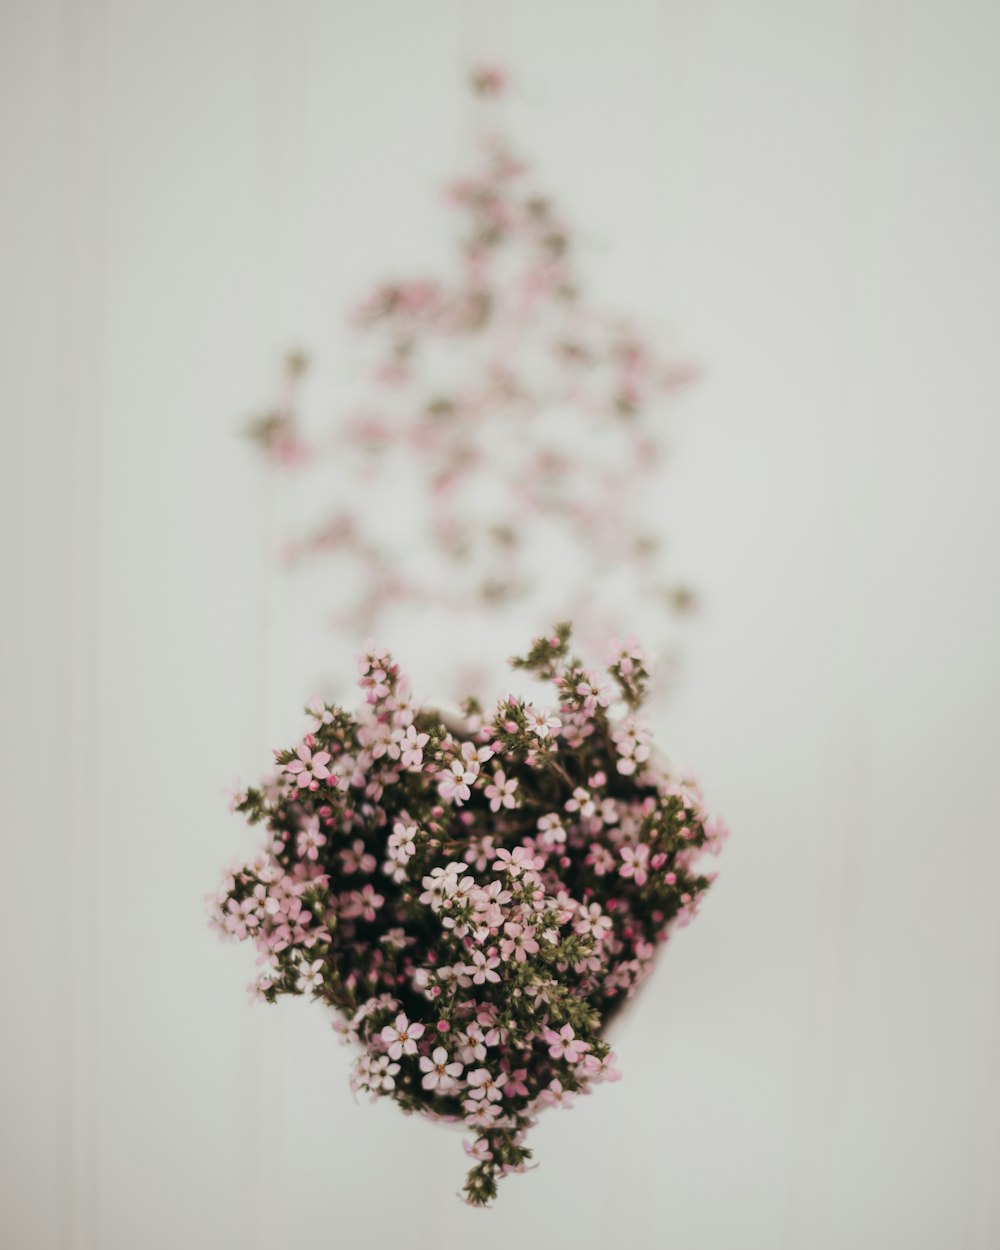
(35, 1054)
(189, 248)
(78, 465)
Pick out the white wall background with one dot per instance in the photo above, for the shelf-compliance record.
(809, 193)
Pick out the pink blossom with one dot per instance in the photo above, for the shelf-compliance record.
(309, 766)
(478, 1150)
(412, 748)
(519, 942)
(241, 916)
(541, 723)
(258, 988)
(481, 1114)
(686, 790)
(402, 842)
(600, 1069)
(627, 655)
(550, 828)
(594, 694)
(483, 1084)
(310, 840)
(515, 862)
(440, 1072)
(402, 1037)
(369, 901)
(481, 853)
(516, 1087)
(310, 976)
(593, 921)
(319, 714)
(500, 791)
(581, 801)
(565, 1044)
(600, 859)
(556, 1096)
(635, 862)
(456, 783)
(355, 859)
(379, 1072)
(482, 968)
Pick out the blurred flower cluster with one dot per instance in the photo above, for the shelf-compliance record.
(474, 898)
(506, 443)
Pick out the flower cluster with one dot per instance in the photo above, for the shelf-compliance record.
(526, 419)
(474, 899)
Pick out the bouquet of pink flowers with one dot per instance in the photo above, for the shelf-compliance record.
(474, 899)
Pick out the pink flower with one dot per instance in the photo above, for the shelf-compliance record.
(556, 1096)
(481, 968)
(516, 1087)
(479, 1149)
(258, 989)
(515, 862)
(501, 791)
(402, 1037)
(320, 714)
(237, 795)
(519, 942)
(439, 1072)
(402, 842)
(600, 858)
(593, 921)
(356, 859)
(308, 766)
(550, 830)
(636, 863)
(490, 903)
(481, 1114)
(241, 917)
(565, 1044)
(687, 791)
(581, 802)
(369, 902)
(477, 1041)
(483, 1084)
(462, 773)
(264, 867)
(371, 659)
(380, 1073)
(310, 839)
(412, 748)
(480, 853)
(455, 785)
(626, 655)
(598, 1070)
(594, 694)
(540, 723)
(716, 834)
(310, 976)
